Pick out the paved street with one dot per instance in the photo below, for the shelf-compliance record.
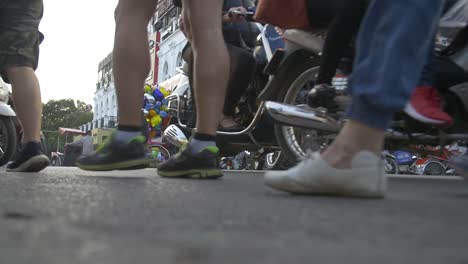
(65, 215)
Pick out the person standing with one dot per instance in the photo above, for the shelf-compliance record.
(87, 143)
(393, 44)
(19, 55)
(131, 61)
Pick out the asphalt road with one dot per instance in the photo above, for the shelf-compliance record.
(65, 215)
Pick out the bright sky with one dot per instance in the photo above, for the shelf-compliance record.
(78, 35)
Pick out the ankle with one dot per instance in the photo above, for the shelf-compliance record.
(31, 148)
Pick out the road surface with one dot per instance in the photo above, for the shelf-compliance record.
(65, 215)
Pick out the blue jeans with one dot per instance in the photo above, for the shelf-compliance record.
(393, 44)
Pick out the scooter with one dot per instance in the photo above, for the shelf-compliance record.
(256, 137)
(8, 135)
(300, 128)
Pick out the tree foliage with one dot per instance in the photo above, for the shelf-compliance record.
(62, 113)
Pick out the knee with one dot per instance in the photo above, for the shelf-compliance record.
(134, 11)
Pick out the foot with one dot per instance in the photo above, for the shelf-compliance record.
(116, 155)
(228, 124)
(425, 106)
(322, 95)
(460, 164)
(29, 159)
(313, 175)
(185, 164)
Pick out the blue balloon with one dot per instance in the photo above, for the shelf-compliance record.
(158, 95)
(157, 105)
(163, 114)
(164, 101)
(149, 106)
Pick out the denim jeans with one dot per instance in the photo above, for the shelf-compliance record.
(393, 45)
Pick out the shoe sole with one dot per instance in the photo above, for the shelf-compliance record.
(302, 190)
(34, 164)
(409, 110)
(192, 174)
(124, 165)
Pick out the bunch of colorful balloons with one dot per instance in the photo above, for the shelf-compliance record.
(155, 108)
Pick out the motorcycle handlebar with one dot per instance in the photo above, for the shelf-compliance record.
(248, 15)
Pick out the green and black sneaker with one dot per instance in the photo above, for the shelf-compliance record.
(115, 155)
(185, 164)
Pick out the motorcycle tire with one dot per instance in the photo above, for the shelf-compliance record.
(8, 139)
(56, 161)
(393, 166)
(434, 168)
(274, 161)
(301, 66)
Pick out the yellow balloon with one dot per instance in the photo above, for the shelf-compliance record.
(148, 88)
(165, 92)
(152, 113)
(156, 120)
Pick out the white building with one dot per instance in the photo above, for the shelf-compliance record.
(172, 40)
(105, 100)
(170, 55)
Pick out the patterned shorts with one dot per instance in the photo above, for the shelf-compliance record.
(19, 34)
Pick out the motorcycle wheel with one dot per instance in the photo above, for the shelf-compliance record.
(391, 167)
(56, 161)
(274, 161)
(155, 161)
(434, 168)
(8, 139)
(295, 142)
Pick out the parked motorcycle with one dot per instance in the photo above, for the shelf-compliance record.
(256, 137)
(300, 128)
(8, 136)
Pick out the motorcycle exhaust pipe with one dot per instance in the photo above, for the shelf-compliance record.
(302, 116)
(175, 136)
(310, 118)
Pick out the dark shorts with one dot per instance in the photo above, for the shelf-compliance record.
(19, 33)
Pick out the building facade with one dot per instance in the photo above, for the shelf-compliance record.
(172, 40)
(105, 98)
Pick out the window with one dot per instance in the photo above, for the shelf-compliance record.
(179, 60)
(165, 71)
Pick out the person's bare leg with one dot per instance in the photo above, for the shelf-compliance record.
(211, 69)
(352, 139)
(131, 64)
(131, 59)
(27, 99)
(211, 73)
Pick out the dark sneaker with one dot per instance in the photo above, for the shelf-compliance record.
(185, 164)
(322, 95)
(115, 155)
(29, 159)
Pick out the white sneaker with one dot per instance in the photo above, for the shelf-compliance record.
(313, 175)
